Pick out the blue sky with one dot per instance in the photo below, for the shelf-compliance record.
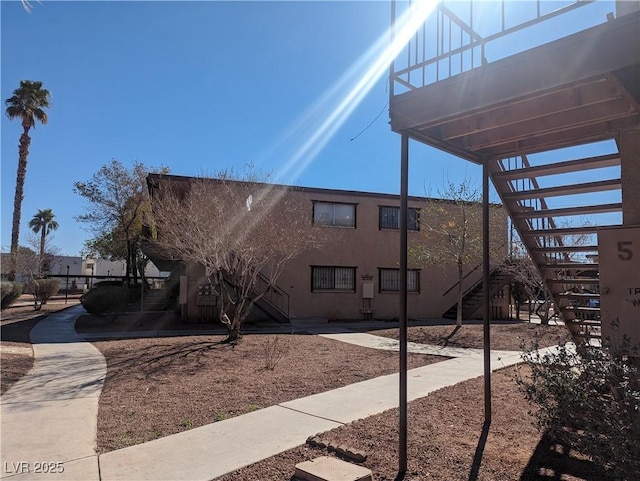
(198, 87)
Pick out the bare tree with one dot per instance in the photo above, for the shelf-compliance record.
(451, 232)
(527, 281)
(236, 231)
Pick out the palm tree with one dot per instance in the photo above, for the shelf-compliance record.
(26, 104)
(43, 222)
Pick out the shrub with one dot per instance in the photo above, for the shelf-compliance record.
(589, 399)
(105, 300)
(10, 292)
(43, 289)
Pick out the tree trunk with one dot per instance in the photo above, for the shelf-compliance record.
(43, 234)
(233, 333)
(127, 273)
(23, 153)
(459, 310)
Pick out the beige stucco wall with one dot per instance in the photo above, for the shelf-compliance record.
(367, 248)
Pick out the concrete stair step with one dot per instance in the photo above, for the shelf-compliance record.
(327, 468)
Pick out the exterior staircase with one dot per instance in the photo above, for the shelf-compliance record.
(573, 85)
(562, 245)
(274, 302)
(473, 298)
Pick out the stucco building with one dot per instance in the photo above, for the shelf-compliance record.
(355, 274)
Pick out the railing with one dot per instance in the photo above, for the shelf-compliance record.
(465, 34)
(273, 294)
(539, 223)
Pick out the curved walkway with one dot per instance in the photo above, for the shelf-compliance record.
(49, 417)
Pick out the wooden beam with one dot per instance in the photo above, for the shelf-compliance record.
(555, 122)
(560, 231)
(569, 211)
(584, 188)
(595, 51)
(611, 160)
(566, 99)
(556, 140)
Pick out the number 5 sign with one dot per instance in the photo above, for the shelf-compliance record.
(619, 265)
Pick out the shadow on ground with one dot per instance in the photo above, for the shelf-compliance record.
(553, 461)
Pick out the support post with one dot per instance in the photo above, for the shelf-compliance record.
(404, 188)
(485, 292)
(66, 291)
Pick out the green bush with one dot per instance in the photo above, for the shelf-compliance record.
(10, 292)
(105, 300)
(43, 289)
(588, 398)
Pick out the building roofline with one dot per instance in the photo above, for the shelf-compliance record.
(313, 190)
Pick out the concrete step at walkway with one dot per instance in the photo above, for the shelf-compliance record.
(50, 415)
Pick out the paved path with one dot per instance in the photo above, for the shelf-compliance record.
(216, 449)
(50, 415)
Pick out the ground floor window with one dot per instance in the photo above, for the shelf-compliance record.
(331, 278)
(389, 280)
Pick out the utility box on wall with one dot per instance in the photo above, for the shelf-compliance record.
(619, 265)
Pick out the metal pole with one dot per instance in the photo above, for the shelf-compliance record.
(392, 65)
(404, 187)
(66, 291)
(485, 293)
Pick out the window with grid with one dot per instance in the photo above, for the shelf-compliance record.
(324, 278)
(390, 218)
(390, 280)
(334, 214)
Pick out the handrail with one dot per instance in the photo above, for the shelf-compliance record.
(463, 278)
(272, 293)
(448, 38)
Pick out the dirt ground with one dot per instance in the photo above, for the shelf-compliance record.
(445, 431)
(160, 386)
(504, 335)
(16, 354)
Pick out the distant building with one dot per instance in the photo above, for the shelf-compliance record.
(82, 273)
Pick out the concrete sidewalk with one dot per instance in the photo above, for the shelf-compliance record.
(51, 414)
(216, 449)
(49, 417)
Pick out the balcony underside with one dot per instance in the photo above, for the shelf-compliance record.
(582, 88)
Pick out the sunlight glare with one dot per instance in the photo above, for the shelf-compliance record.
(323, 119)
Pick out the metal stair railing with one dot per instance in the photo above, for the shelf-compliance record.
(495, 274)
(536, 227)
(271, 294)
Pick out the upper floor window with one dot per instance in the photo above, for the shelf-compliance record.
(390, 280)
(334, 214)
(390, 218)
(330, 278)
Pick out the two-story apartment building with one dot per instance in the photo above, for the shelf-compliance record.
(355, 273)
